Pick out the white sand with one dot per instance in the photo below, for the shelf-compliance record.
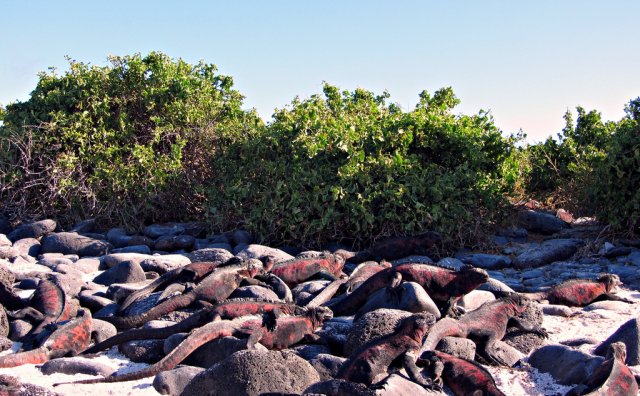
(598, 324)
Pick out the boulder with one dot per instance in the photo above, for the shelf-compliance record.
(566, 365)
(72, 243)
(76, 365)
(143, 351)
(629, 334)
(171, 243)
(173, 382)
(372, 325)
(260, 251)
(254, 373)
(160, 230)
(486, 261)
(409, 296)
(126, 272)
(543, 223)
(27, 246)
(457, 346)
(254, 292)
(210, 254)
(33, 230)
(547, 252)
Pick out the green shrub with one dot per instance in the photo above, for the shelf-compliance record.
(616, 185)
(560, 171)
(129, 142)
(348, 166)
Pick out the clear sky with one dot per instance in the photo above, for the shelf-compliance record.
(527, 62)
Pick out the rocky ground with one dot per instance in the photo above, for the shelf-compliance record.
(97, 270)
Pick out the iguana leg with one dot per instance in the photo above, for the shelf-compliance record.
(27, 313)
(613, 297)
(519, 324)
(409, 364)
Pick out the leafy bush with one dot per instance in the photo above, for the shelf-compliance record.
(560, 171)
(129, 142)
(348, 166)
(617, 181)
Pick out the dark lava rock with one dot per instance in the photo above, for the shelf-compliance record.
(327, 365)
(547, 252)
(172, 243)
(5, 225)
(102, 330)
(126, 272)
(254, 373)
(339, 387)
(19, 328)
(525, 342)
(160, 230)
(33, 230)
(143, 351)
(210, 254)
(72, 243)
(7, 278)
(241, 236)
(173, 382)
(457, 346)
(5, 344)
(4, 322)
(335, 333)
(11, 386)
(84, 226)
(629, 334)
(310, 351)
(210, 353)
(27, 246)
(486, 261)
(76, 365)
(254, 292)
(140, 249)
(372, 325)
(568, 366)
(409, 296)
(541, 222)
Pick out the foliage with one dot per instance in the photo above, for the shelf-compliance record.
(560, 170)
(125, 142)
(348, 166)
(616, 182)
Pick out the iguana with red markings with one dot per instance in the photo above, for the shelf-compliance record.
(192, 273)
(288, 330)
(361, 273)
(300, 269)
(581, 292)
(47, 305)
(68, 339)
(445, 286)
(485, 325)
(463, 377)
(228, 309)
(612, 377)
(215, 287)
(398, 247)
(369, 363)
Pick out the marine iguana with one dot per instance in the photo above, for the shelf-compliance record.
(398, 247)
(69, 338)
(47, 305)
(612, 377)
(581, 292)
(373, 359)
(288, 330)
(485, 325)
(299, 269)
(192, 273)
(463, 377)
(215, 287)
(228, 309)
(361, 273)
(445, 286)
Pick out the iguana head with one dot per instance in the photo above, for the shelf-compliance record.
(520, 301)
(319, 315)
(473, 276)
(617, 351)
(611, 282)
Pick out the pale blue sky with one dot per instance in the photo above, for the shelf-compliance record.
(525, 61)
